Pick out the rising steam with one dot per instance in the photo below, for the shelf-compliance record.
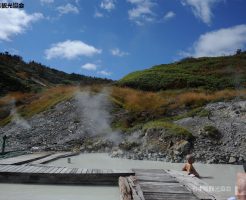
(16, 118)
(94, 109)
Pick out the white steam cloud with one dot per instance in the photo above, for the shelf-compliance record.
(17, 119)
(95, 113)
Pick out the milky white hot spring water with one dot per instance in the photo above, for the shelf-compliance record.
(217, 176)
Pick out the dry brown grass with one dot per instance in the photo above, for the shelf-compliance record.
(48, 99)
(195, 99)
(18, 97)
(160, 102)
(29, 104)
(138, 101)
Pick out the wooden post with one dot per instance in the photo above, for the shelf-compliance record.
(3, 144)
(125, 191)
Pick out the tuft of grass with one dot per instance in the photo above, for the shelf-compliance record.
(211, 132)
(5, 121)
(199, 112)
(172, 128)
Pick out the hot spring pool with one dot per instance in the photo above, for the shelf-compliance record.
(215, 175)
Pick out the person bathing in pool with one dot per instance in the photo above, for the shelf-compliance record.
(188, 167)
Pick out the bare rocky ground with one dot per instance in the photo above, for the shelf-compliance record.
(219, 138)
(228, 144)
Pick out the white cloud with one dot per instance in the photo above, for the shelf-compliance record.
(68, 8)
(142, 11)
(104, 73)
(71, 49)
(46, 1)
(97, 14)
(89, 66)
(169, 15)
(108, 5)
(220, 42)
(118, 52)
(202, 8)
(15, 21)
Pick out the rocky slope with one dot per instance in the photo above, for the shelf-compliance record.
(78, 125)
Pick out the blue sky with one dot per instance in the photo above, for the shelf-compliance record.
(111, 38)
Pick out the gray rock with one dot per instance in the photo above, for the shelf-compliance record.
(232, 160)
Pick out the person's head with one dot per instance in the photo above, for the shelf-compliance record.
(190, 159)
(241, 186)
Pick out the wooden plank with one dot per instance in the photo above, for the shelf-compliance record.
(79, 171)
(36, 170)
(54, 170)
(24, 158)
(58, 171)
(68, 171)
(74, 170)
(193, 184)
(21, 168)
(63, 170)
(5, 168)
(137, 193)
(165, 189)
(146, 183)
(14, 167)
(149, 170)
(46, 169)
(125, 190)
(89, 171)
(41, 169)
(156, 179)
(27, 169)
(168, 196)
(53, 157)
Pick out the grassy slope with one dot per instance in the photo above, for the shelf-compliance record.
(17, 75)
(178, 90)
(206, 73)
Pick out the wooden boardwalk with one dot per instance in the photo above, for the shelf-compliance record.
(53, 157)
(158, 184)
(27, 158)
(136, 184)
(60, 175)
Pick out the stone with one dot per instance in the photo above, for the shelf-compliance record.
(182, 147)
(232, 160)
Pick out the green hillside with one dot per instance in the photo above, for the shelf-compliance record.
(18, 75)
(213, 73)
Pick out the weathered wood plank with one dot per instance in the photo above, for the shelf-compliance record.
(24, 158)
(58, 171)
(5, 168)
(153, 196)
(137, 193)
(55, 170)
(74, 170)
(46, 169)
(79, 171)
(125, 190)
(28, 169)
(193, 184)
(53, 157)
